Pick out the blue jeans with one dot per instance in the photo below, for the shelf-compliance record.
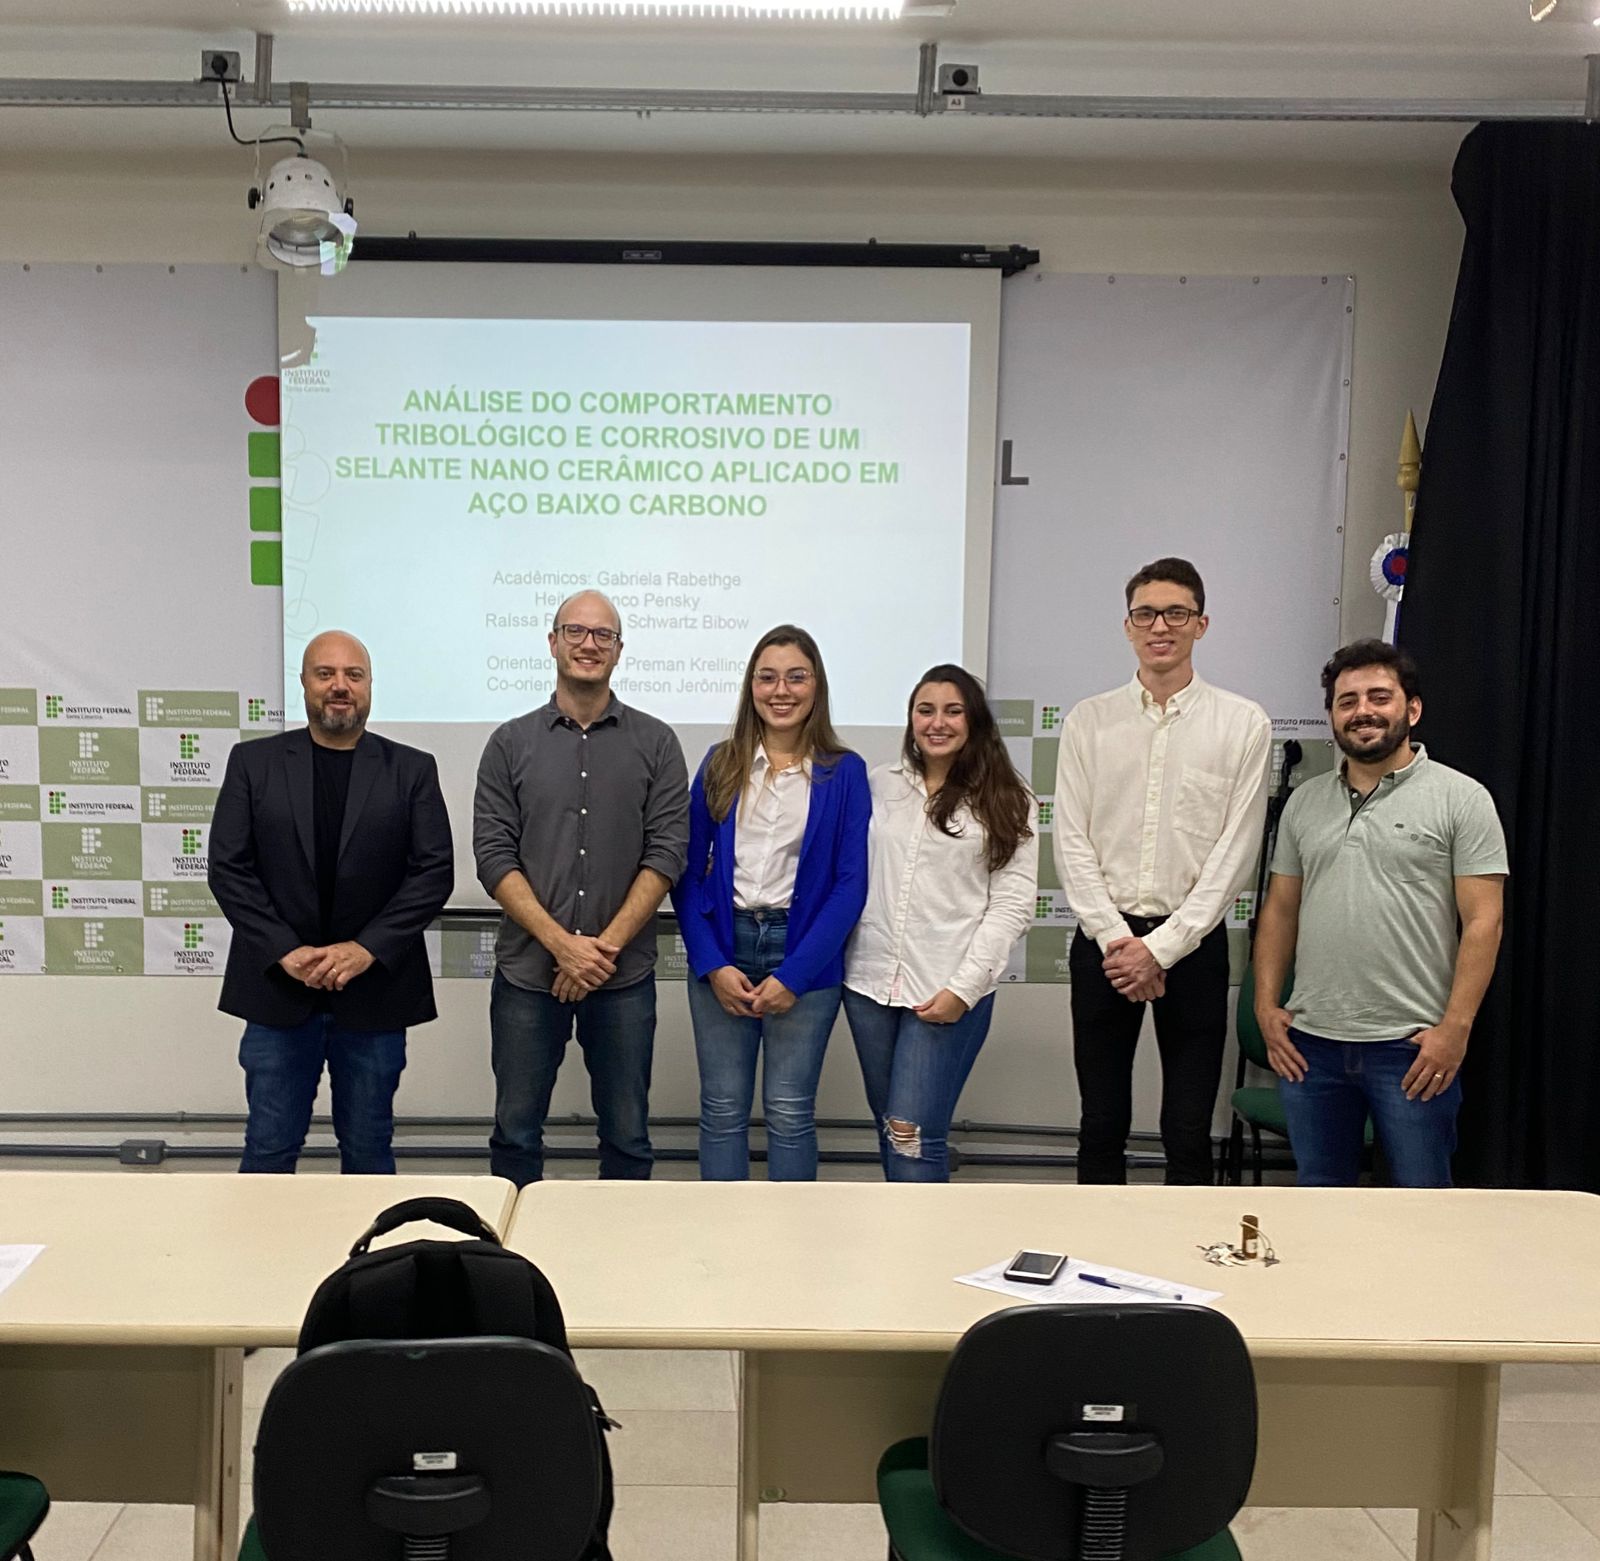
(528, 1035)
(726, 1047)
(1327, 1114)
(914, 1073)
(282, 1069)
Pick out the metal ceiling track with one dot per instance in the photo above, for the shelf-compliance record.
(926, 102)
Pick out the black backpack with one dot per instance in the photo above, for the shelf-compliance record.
(447, 1290)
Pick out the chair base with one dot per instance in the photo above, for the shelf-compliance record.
(920, 1530)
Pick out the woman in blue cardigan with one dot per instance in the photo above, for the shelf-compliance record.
(777, 876)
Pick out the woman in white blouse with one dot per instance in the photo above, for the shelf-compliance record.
(951, 881)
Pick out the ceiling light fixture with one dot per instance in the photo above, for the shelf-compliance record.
(304, 219)
(728, 10)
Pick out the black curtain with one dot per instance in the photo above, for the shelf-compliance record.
(1502, 610)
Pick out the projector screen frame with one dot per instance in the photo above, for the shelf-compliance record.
(1007, 259)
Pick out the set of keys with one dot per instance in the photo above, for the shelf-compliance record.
(1253, 1247)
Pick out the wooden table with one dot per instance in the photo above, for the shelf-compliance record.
(121, 1346)
(1377, 1340)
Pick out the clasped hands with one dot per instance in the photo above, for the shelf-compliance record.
(744, 1001)
(582, 965)
(331, 969)
(1134, 971)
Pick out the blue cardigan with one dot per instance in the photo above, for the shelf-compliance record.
(830, 886)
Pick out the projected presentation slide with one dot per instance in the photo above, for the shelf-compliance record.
(448, 482)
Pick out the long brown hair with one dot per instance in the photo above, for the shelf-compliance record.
(982, 775)
(728, 769)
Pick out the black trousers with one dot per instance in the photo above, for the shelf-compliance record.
(1191, 1032)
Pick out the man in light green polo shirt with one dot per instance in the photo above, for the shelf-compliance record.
(1377, 866)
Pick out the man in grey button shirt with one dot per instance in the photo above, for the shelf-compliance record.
(1375, 865)
(580, 825)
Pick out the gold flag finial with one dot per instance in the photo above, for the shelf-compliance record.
(1410, 457)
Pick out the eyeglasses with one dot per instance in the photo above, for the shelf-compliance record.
(1173, 617)
(796, 677)
(576, 634)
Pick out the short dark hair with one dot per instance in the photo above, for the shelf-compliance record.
(1371, 653)
(1175, 571)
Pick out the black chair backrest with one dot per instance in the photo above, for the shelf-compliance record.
(490, 1445)
(1040, 1399)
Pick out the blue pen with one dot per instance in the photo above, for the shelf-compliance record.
(1117, 1284)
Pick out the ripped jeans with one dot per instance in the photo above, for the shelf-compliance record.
(914, 1073)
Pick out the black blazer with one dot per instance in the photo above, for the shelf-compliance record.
(395, 873)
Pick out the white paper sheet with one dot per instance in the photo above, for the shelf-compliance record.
(1070, 1286)
(12, 1262)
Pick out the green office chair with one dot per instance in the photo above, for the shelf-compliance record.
(24, 1503)
(1080, 1433)
(1257, 1108)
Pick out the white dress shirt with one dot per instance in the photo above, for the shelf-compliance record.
(935, 917)
(1159, 812)
(768, 832)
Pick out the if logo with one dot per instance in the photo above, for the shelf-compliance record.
(256, 710)
(153, 708)
(157, 804)
(486, 940)
(1241, 909)
(57, 803)
(1047, 811)
(158, 897)
(188, 745)
(90, 838)
(88, 745)
(1050, 717)
(191, 842)
(53, 706)
(193, 934)
(60, 897)
(94, 934)
(1041, 906)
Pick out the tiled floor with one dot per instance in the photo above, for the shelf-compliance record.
(676, 1459)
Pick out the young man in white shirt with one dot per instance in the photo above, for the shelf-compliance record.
(1161, 793)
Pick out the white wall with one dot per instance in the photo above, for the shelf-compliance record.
(159, 1040)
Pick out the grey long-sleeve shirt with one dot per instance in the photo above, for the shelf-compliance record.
(579, 813)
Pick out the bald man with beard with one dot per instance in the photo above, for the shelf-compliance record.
(330, 854)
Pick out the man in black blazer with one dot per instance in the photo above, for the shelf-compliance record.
(330, 853)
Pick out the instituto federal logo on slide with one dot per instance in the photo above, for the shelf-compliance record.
(54, 704)
(60, 897)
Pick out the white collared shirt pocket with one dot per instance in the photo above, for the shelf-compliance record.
(1200, 803)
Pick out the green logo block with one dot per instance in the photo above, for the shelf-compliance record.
(193, 934)
(188, 707)
(89, 756)
(191, 842)
(1041, 906)
(19, 707)
(256, 710)
(179, 804)
(54, 704)
(188, 745)
(19, 804)
(191, 901)
(18, 898)
(103, 946)
(1047, 815)
(1046, 955)
(1049, 717)
(1045, 752)
(60, 897)
(1014, 717)
(76, 852)
(57, 803)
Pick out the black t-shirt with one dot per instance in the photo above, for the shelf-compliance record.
(330, 789)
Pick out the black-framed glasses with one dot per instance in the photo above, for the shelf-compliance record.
(795, 677)
(577, 633)
(1173, 617)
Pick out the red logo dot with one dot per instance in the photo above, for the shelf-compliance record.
(261, 400)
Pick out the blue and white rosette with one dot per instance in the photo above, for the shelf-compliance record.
(1389, 566)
